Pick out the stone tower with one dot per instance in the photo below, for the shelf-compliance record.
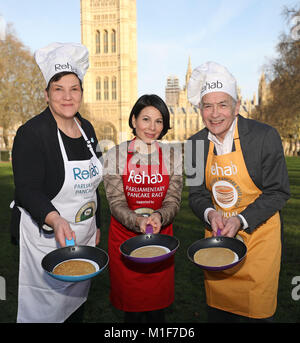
(108, 30)
(174, 95)
(172, 90)
(264, 93)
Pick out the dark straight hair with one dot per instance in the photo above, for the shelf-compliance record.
(155, 101)
(58, 76)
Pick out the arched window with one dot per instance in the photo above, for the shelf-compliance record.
(113, 41)
(106, 85)
(107, 132)
(114, 88)
(98, 40)
(98, 88)
(105, 39)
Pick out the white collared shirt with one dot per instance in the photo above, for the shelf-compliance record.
(223, 148)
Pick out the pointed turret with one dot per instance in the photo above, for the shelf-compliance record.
(262, 89)
(188, 72)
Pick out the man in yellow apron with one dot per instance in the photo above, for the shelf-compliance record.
(245, 185)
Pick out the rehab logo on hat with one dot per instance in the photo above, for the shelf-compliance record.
(212, 85)
(64, 67)
(210, 77)
(59, 57)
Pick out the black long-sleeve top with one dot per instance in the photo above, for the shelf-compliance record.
(38, 165)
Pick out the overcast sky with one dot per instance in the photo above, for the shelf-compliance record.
(241, 34)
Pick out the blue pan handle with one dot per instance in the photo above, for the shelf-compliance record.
(70, 242)
(149, 229)
(219, 232)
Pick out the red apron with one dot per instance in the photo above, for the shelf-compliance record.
(138, 287)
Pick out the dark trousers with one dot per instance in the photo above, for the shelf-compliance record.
(215, 315)
(157, 316)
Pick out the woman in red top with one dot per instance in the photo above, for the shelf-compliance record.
(142, 177)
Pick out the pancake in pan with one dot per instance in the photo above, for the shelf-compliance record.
(74, 268)
(148, 251)
(214, 257)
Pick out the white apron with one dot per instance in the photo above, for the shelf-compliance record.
(42, 298)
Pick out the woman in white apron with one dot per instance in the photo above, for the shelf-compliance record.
(46, 142)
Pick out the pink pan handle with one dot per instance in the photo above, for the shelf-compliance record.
(149, 229)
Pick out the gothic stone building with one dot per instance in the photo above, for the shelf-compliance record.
(108, 30)
(186, 118)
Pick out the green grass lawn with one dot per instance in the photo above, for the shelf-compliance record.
(189, 305)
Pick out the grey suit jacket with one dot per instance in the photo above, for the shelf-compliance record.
(264, 158)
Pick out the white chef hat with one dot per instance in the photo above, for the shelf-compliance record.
(210, 77)
(59, 57)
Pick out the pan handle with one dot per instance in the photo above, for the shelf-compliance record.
(149, 229)
(219, 232)
(70, 242)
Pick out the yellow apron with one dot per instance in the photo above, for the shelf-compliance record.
(250, 288)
